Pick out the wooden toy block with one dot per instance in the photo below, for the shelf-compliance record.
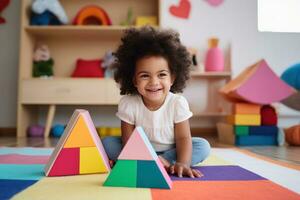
(90, 161)
(149, 175)
(67, 163)
(124, 174)
(248, 140)
(241, 130)
(226, 133)
(246, 120)
(263, 130)
(79, 136)
(89, 152)
(138, 150)
(257, 84)
(246, 108)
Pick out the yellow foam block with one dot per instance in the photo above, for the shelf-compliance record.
(90, 161)
(246, 108)
(146, 20)
(80, 135)
(254, 120)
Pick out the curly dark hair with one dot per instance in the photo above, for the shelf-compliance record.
(148, 41)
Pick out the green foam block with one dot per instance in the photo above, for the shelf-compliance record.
(123, 174)
(149, 175)
(241, 130)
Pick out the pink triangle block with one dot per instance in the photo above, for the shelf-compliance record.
(264, 86)
(138, 147)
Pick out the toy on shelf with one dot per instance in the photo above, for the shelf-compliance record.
(146, 20)
(57, 130)
(129, 18)
(92, 15)
(138, 165)
(107, 64)
(214, 59)
(194, 53)
(257, 84)
(35, 131)
(79, 150)
(292, 77)
(42, 62)
(3, 5)
(292, 135)
(48, 12)
(88, 68)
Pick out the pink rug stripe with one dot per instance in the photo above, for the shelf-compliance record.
(23, 159)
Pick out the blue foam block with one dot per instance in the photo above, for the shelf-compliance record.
(251, 140)
(263, 130)
(9, 188)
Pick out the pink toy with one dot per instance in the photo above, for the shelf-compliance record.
(257, 84)
(214, 60)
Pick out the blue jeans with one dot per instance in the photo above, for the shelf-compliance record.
(201, 149)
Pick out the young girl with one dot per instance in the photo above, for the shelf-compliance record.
(151, 66)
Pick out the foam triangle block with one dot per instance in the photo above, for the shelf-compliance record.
(138, 147)
(149, 175)
(257, 84)
(80, 135)
(94, 153)
(124, 174)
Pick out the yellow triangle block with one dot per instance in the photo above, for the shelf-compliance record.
(90, 161)
(80, 135)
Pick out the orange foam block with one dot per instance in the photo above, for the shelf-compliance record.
(257, 84)
(138, 165)
(79, 150)
(246, 108)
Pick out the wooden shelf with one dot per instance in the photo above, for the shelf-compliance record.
(69, 91)
(67, 30)
(224, 74)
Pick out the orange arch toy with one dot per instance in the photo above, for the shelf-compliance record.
(91, 15)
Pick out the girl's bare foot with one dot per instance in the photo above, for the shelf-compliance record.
(165, 163)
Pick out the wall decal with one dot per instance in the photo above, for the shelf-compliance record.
(182, 10)
(214, 3)
(3, 5)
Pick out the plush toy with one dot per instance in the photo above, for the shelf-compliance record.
(40, 6)
(3, 5)
(108, 60)
(42, 62)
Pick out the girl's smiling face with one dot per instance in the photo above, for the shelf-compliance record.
(153, 80)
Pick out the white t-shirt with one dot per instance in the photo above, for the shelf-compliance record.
(159, 124)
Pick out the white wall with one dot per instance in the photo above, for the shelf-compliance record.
(9, 60)
(234, 22)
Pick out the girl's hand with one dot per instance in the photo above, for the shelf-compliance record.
(182, 169)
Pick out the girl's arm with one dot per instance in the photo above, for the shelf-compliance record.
(183, 140)
(126, 130)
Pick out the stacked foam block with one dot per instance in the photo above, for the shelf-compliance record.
(254, 124)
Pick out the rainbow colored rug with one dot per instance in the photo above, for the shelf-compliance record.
(228, 174)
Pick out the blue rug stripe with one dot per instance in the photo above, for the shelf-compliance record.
(8, 188)
(21, 172)
(26, 151)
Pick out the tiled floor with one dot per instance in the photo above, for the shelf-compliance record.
(285, 153)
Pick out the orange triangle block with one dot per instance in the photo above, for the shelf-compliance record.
(79, 150)
(138, 165)
(257, 84)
